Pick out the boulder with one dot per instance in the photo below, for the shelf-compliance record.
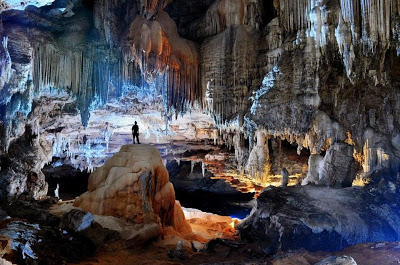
(320, 218)
(83, 223)
(76, 220)
(333, 260)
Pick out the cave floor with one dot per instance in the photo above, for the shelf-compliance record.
(157, 253)
(219, 251)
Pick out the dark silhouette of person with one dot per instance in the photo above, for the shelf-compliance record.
(135, 133)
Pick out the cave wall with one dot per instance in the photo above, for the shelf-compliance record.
(334, 82)
(319, 73)
(315, 73)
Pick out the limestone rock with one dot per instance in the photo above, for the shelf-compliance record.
(338, 167)
(333, 260)
(320, 218)
(227, 86)
(285, 177)
(21, 169)
(134, 185)
(76, 220)
(314, 165)
(306, 71)
(160, 52)
(259, 156)
(5, 60)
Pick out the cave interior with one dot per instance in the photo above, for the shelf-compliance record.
(269, 132)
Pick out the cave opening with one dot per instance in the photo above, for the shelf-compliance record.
(285, 154)
(65, 181)
(196, 187)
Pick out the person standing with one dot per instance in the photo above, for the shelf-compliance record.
(135, 133)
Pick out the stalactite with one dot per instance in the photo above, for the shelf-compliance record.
(81, 72)
(226, 82)
(294, 15)
(375, 25)
(158, 50)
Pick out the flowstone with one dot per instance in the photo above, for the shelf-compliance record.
(134, 185)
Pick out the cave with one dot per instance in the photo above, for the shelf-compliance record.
(200, 132)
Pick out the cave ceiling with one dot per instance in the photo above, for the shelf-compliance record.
(318, 74)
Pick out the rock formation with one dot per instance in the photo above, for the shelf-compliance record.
(21, 168)
(333, 260)
(321, 218)
(134, 185)
(300, 80)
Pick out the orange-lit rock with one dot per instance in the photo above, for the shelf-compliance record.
(231, 12)
(210, 226)
(134, 185)
(158, 50)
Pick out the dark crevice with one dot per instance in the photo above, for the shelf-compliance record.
(269, 11)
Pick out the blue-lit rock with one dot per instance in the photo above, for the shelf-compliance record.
(319, 218)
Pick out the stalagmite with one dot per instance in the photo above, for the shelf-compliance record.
(258, 163)
(192, 164)
(134, 185)
(285, 177)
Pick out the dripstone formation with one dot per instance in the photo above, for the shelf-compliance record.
(134, 185)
